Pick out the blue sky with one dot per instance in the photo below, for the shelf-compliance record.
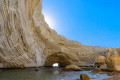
(90, 22)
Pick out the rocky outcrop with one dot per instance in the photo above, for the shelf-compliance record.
(60, 58)
(112, 51)
(100, 63)
(27, 41)
(113, 59)
(113, 62)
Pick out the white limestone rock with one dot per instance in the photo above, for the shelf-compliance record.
(27, 41)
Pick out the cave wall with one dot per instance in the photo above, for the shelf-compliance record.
(20, 45)
(27, 41)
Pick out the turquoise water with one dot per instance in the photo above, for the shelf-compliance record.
(46, 74)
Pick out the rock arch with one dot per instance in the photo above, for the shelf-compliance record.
(59, 58)
(27, 41)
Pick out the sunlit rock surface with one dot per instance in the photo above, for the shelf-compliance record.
(27, 41)
(72, 68)
(112, 51)
(100, 63)
(113, 62)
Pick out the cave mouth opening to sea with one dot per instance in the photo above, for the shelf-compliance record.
(55, 65)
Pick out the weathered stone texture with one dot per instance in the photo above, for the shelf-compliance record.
(27, 41)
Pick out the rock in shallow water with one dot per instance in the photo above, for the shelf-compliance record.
(84, 77)
(97, 71)
(72, 68)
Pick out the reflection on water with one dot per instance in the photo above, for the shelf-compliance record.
(46, 74)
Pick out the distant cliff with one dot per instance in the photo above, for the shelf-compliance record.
(27, 41)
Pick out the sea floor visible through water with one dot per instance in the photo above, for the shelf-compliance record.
(46, 74)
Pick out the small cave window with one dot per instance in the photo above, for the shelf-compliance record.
(55, 65)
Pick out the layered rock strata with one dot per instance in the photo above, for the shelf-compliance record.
(27, 41)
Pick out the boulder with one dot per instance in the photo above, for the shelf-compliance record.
(113, 62)
(100, 59)
(72, 68)
(84, 77)
(100, 63)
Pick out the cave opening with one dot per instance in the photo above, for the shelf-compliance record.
(55, 65)
(57, 59)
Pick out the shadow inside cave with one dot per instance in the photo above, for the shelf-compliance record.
(59, 58)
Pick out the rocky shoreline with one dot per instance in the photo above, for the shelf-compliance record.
(117, 77)
(108, 64)
(26, 41)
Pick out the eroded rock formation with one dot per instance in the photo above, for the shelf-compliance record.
(112, 51)
(27, 41)
(113, 62)
(100, 63)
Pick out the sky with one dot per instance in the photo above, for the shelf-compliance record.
(90, 22)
